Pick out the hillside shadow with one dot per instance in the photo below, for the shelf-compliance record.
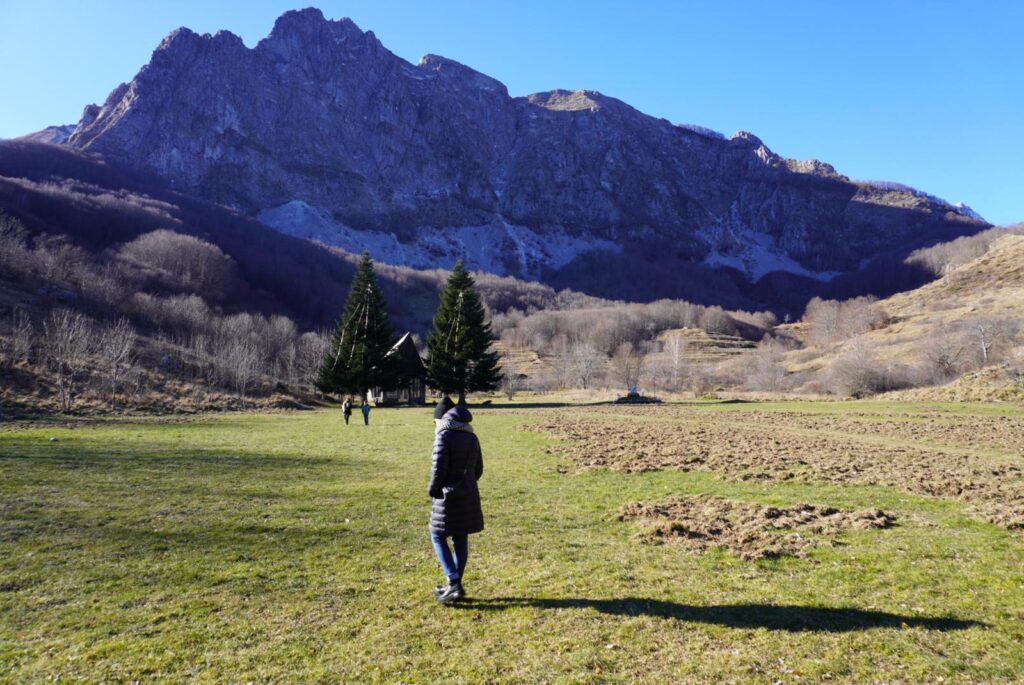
(786, 618)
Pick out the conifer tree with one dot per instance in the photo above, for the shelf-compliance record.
(358, 359)
(459, 354)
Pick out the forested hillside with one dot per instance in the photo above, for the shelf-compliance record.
(119, 290)
(90, 254)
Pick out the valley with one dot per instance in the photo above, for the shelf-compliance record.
(220, 547)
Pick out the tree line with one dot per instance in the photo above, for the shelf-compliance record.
(198, 315)
(361, 356)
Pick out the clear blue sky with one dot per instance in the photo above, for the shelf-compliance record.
(925, 92)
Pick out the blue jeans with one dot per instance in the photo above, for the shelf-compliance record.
(452, 567)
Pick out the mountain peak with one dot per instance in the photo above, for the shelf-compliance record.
(306, 36)
(299, 20)
(383, 152)
(746, 138)
(178, 38)
(310, 23)
(184, 41)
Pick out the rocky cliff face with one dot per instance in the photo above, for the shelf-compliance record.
(322, 132)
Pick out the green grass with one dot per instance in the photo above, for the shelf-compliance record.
(290, 548)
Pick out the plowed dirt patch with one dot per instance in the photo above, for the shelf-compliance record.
(748, 530)
(1000, 433)
(774, 446)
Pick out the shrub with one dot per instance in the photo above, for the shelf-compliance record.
(857, 372)
(832, 321)
(945, 355)
(186, 261)
(764, 368)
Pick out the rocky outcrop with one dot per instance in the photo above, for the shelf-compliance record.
(320, 113)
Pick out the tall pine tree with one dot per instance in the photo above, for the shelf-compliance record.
(459, 354)
(358, 358)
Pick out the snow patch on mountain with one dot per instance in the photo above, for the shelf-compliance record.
(497, 247)
(751, 252)
(507, 249)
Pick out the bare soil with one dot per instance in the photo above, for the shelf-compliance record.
(969, 458)
(748, 530)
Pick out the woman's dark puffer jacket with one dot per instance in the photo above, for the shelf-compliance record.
(456, 452)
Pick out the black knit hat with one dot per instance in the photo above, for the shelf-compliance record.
(442, 407)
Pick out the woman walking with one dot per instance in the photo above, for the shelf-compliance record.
(346, 409)
(455, 512)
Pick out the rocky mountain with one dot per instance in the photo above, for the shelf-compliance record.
(322, 133)
(53, 135)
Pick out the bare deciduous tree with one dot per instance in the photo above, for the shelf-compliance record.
(654, 370)
(766, 371)
(990, 337)
(561, 361)
(311, 349)
(701, 380)
(715, 320)
(823, 319)
(854, 373)
(68, 339)
(944, 354)
(17, 346)
(858, 315)
(116, 351)
(1017, 368)
(627, 365)
(15, 255)
(944, 257)
(191, 262)
(241, 360)
(586, 363)
(279, 341)
(509, 375)
(830, 321)
(858, 372)
(677, 347)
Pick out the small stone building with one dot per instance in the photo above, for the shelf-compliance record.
(412, 386)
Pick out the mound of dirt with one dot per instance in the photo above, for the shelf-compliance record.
(976, 459)
(637, 399)
(748, 530)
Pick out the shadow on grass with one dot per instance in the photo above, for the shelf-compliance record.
(773, 617)
(603, 403)
(163, 455)
(528, 405)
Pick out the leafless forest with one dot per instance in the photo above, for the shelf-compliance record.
(105, 328)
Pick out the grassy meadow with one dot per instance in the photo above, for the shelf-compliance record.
(288, 548)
